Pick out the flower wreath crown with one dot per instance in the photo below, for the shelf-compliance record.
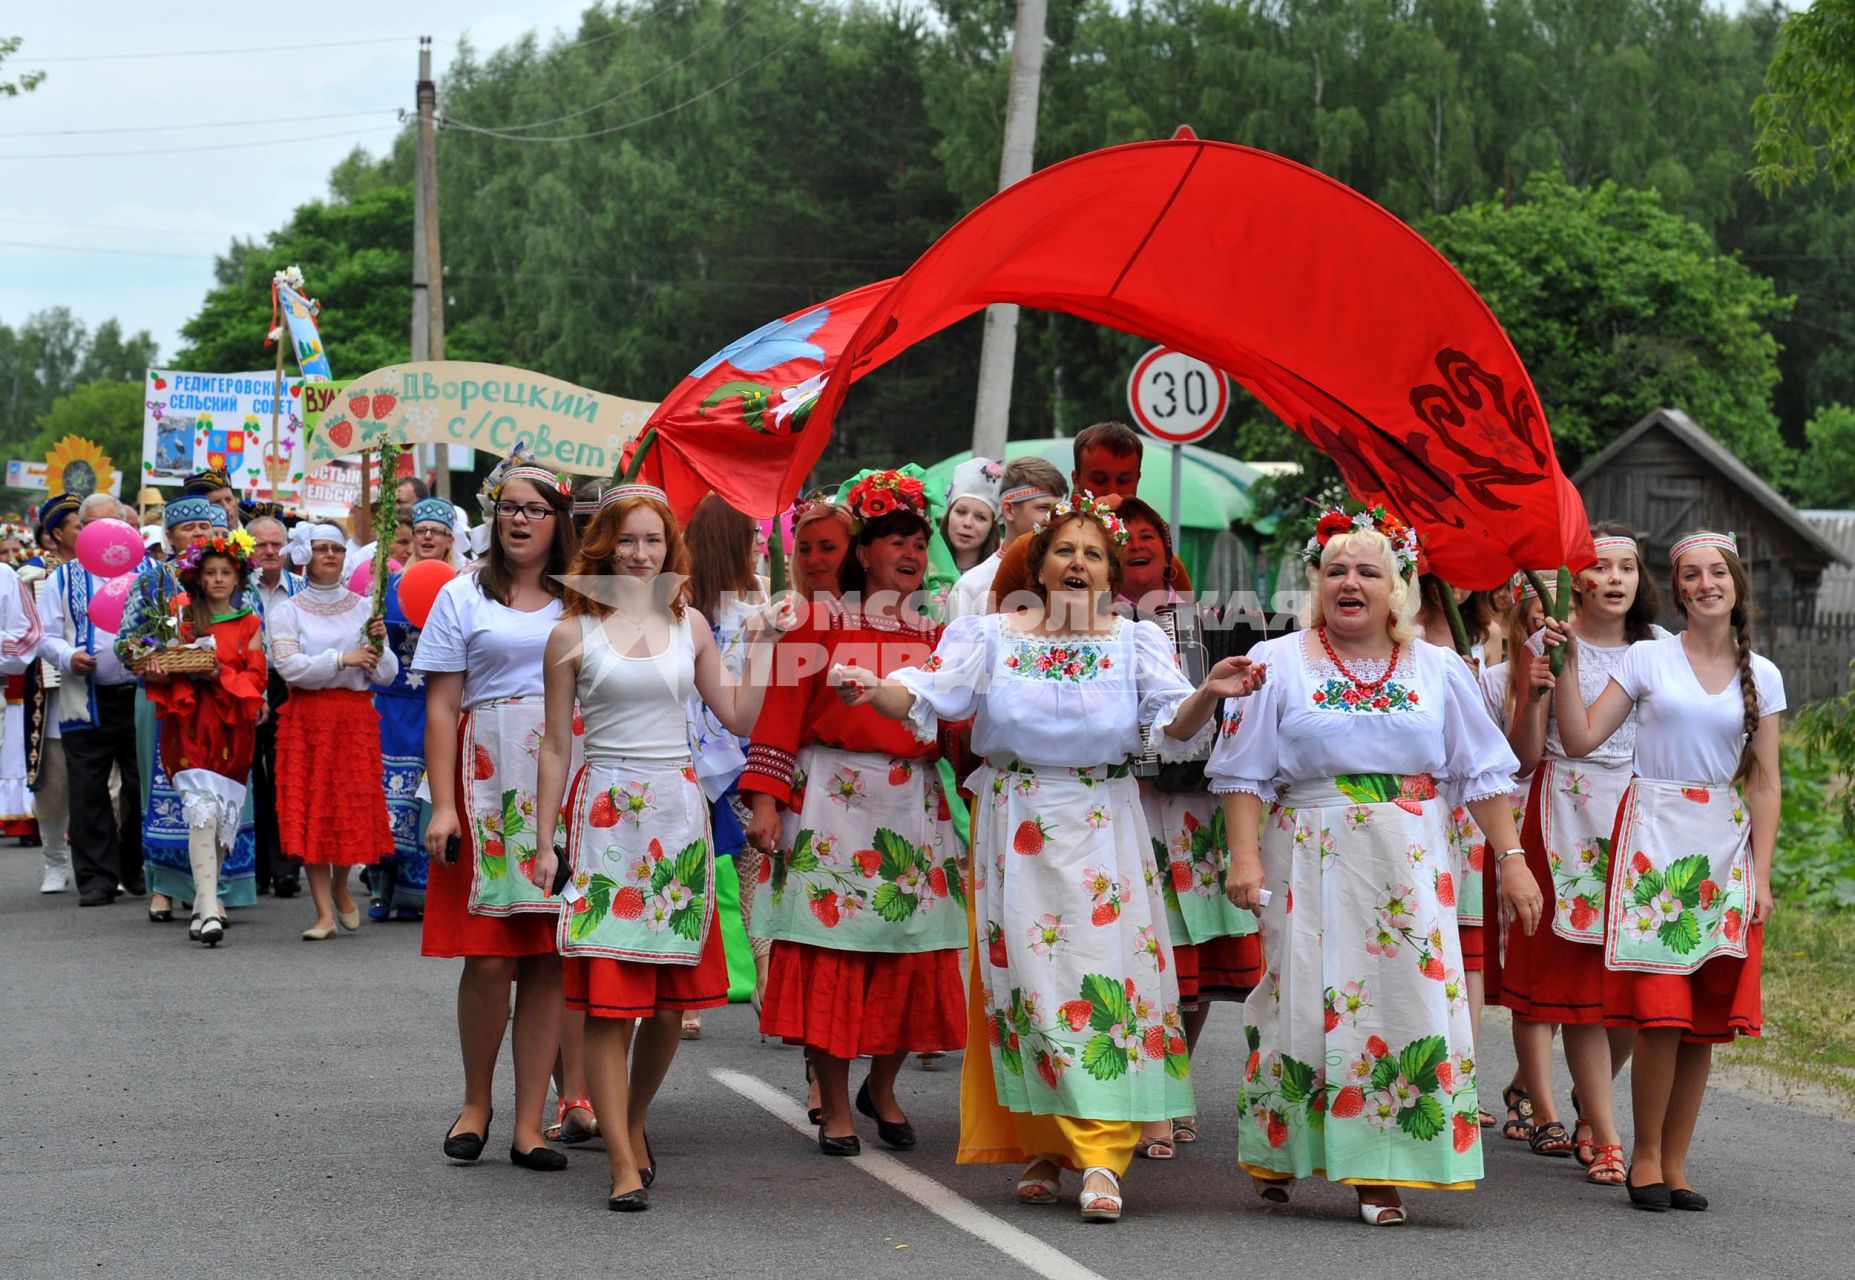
(1085, 504)
(237, 545)
(1338, 520)
(882, 492)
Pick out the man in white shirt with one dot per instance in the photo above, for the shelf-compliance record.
(1029, 489)
(95, 711)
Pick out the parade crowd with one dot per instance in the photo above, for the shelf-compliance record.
(915, 811)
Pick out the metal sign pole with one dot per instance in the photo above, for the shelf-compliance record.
(1178, 483)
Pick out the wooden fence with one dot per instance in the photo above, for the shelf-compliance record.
(1814, 657)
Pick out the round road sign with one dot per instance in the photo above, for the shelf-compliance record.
(1175, 398)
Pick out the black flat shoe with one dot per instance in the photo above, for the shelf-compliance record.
(164, 916)
(1653, 1198)
(899, 1136)
(541, 1159)
(648, 1174)
(1688, 1199)
(847, 1146)
(631, 1202)
(466, 1146)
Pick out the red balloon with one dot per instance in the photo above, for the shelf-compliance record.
(419, 587)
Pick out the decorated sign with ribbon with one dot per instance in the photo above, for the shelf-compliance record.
(481, 406)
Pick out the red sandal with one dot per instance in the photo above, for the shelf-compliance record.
(558, 1131)
(1607, 1162)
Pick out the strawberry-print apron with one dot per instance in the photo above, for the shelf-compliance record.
(1361, 1058)
(1468, 859)
(1577, 816)
(643, 863)
(501, 740)
(1187, 831)
(1681, 886)
(1081, 1002)
(869, 858)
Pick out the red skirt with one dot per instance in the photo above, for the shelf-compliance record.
(1474, 955)
(848, 1004)
(1717, 1002)
(1543, 977)
(607, 988)
(331, 788)
(450, 930)
(1229, 968)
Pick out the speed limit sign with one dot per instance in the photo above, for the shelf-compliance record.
(1176, 399)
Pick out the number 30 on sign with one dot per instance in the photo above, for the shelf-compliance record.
(1176, 399)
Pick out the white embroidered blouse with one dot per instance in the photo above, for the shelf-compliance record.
(1074, 701)
(1309, 722)
(312, 629)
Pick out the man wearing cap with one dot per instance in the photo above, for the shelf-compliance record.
(94, 706)
(216, 488)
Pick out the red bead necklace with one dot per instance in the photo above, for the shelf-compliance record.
(1366, 689)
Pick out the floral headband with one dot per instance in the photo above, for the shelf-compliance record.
(236, 546)
(882, 492)
(1084, 504)
(1705, 538)
(1336, 520)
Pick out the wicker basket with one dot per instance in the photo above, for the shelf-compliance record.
(179, 661)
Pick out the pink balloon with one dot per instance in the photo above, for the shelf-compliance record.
(109, 548)
(107, 601)
(362, 579)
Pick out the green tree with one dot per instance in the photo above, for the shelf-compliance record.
(108, 413)
(1827, 478)
(1806, 117)
(49, 355)
(1618, 306)
(13, 86)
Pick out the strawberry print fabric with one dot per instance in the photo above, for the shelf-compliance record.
(1578, 814)
(501, 740)
(1682, 892)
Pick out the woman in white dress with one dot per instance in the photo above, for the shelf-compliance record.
(1073, 985)
(1361, 1066)
(1690, 880)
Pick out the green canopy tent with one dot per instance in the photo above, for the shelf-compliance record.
(1215, 494)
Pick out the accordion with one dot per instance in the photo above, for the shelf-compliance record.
(1202, 636)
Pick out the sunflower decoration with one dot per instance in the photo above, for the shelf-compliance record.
(76, 465)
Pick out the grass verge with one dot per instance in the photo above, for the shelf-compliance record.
(1809, 994)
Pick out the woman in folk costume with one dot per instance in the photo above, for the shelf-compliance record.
(399, 881)
(19, 643)
(1361, 1066)
(323, 642)
(167, 833)
(1690, 872)
(1217, 952)
(641, 936)
(209, 720)
(862, 900)
(1556, 976)
(481, 652)
(1072, 983)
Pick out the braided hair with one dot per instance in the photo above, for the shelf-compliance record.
(1742, 640)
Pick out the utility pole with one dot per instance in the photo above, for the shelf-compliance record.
(427, 262)
(992, 414)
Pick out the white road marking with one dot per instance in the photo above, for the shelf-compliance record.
(942, 1201)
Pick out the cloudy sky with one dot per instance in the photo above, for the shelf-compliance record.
(102, 211)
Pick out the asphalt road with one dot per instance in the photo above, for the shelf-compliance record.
(276, 1108)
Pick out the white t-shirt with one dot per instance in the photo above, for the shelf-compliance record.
(972, 594)
(497, 648)
(1683, 733)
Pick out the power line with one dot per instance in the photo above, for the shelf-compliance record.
(506, 136)
(211, 53)
(119, 253)
(216, 124)
(635, 89)
(219, 146)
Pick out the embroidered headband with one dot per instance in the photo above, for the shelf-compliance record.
(1024, 493)
(1337, 520)
(536, 475)
(183, 510)
(1084, 504)
(519, 465)
(1705, 538)
(619, 492)
(1614, 542)
(305, 534)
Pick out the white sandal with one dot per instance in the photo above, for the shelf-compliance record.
(1382, 1215)
(1100, 1206)
(1042, 1190)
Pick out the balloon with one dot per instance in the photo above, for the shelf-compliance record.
(362, 579)
(108, 600)
(109, 548)
(419, 587)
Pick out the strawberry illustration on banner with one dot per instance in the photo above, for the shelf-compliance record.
(738, 420)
